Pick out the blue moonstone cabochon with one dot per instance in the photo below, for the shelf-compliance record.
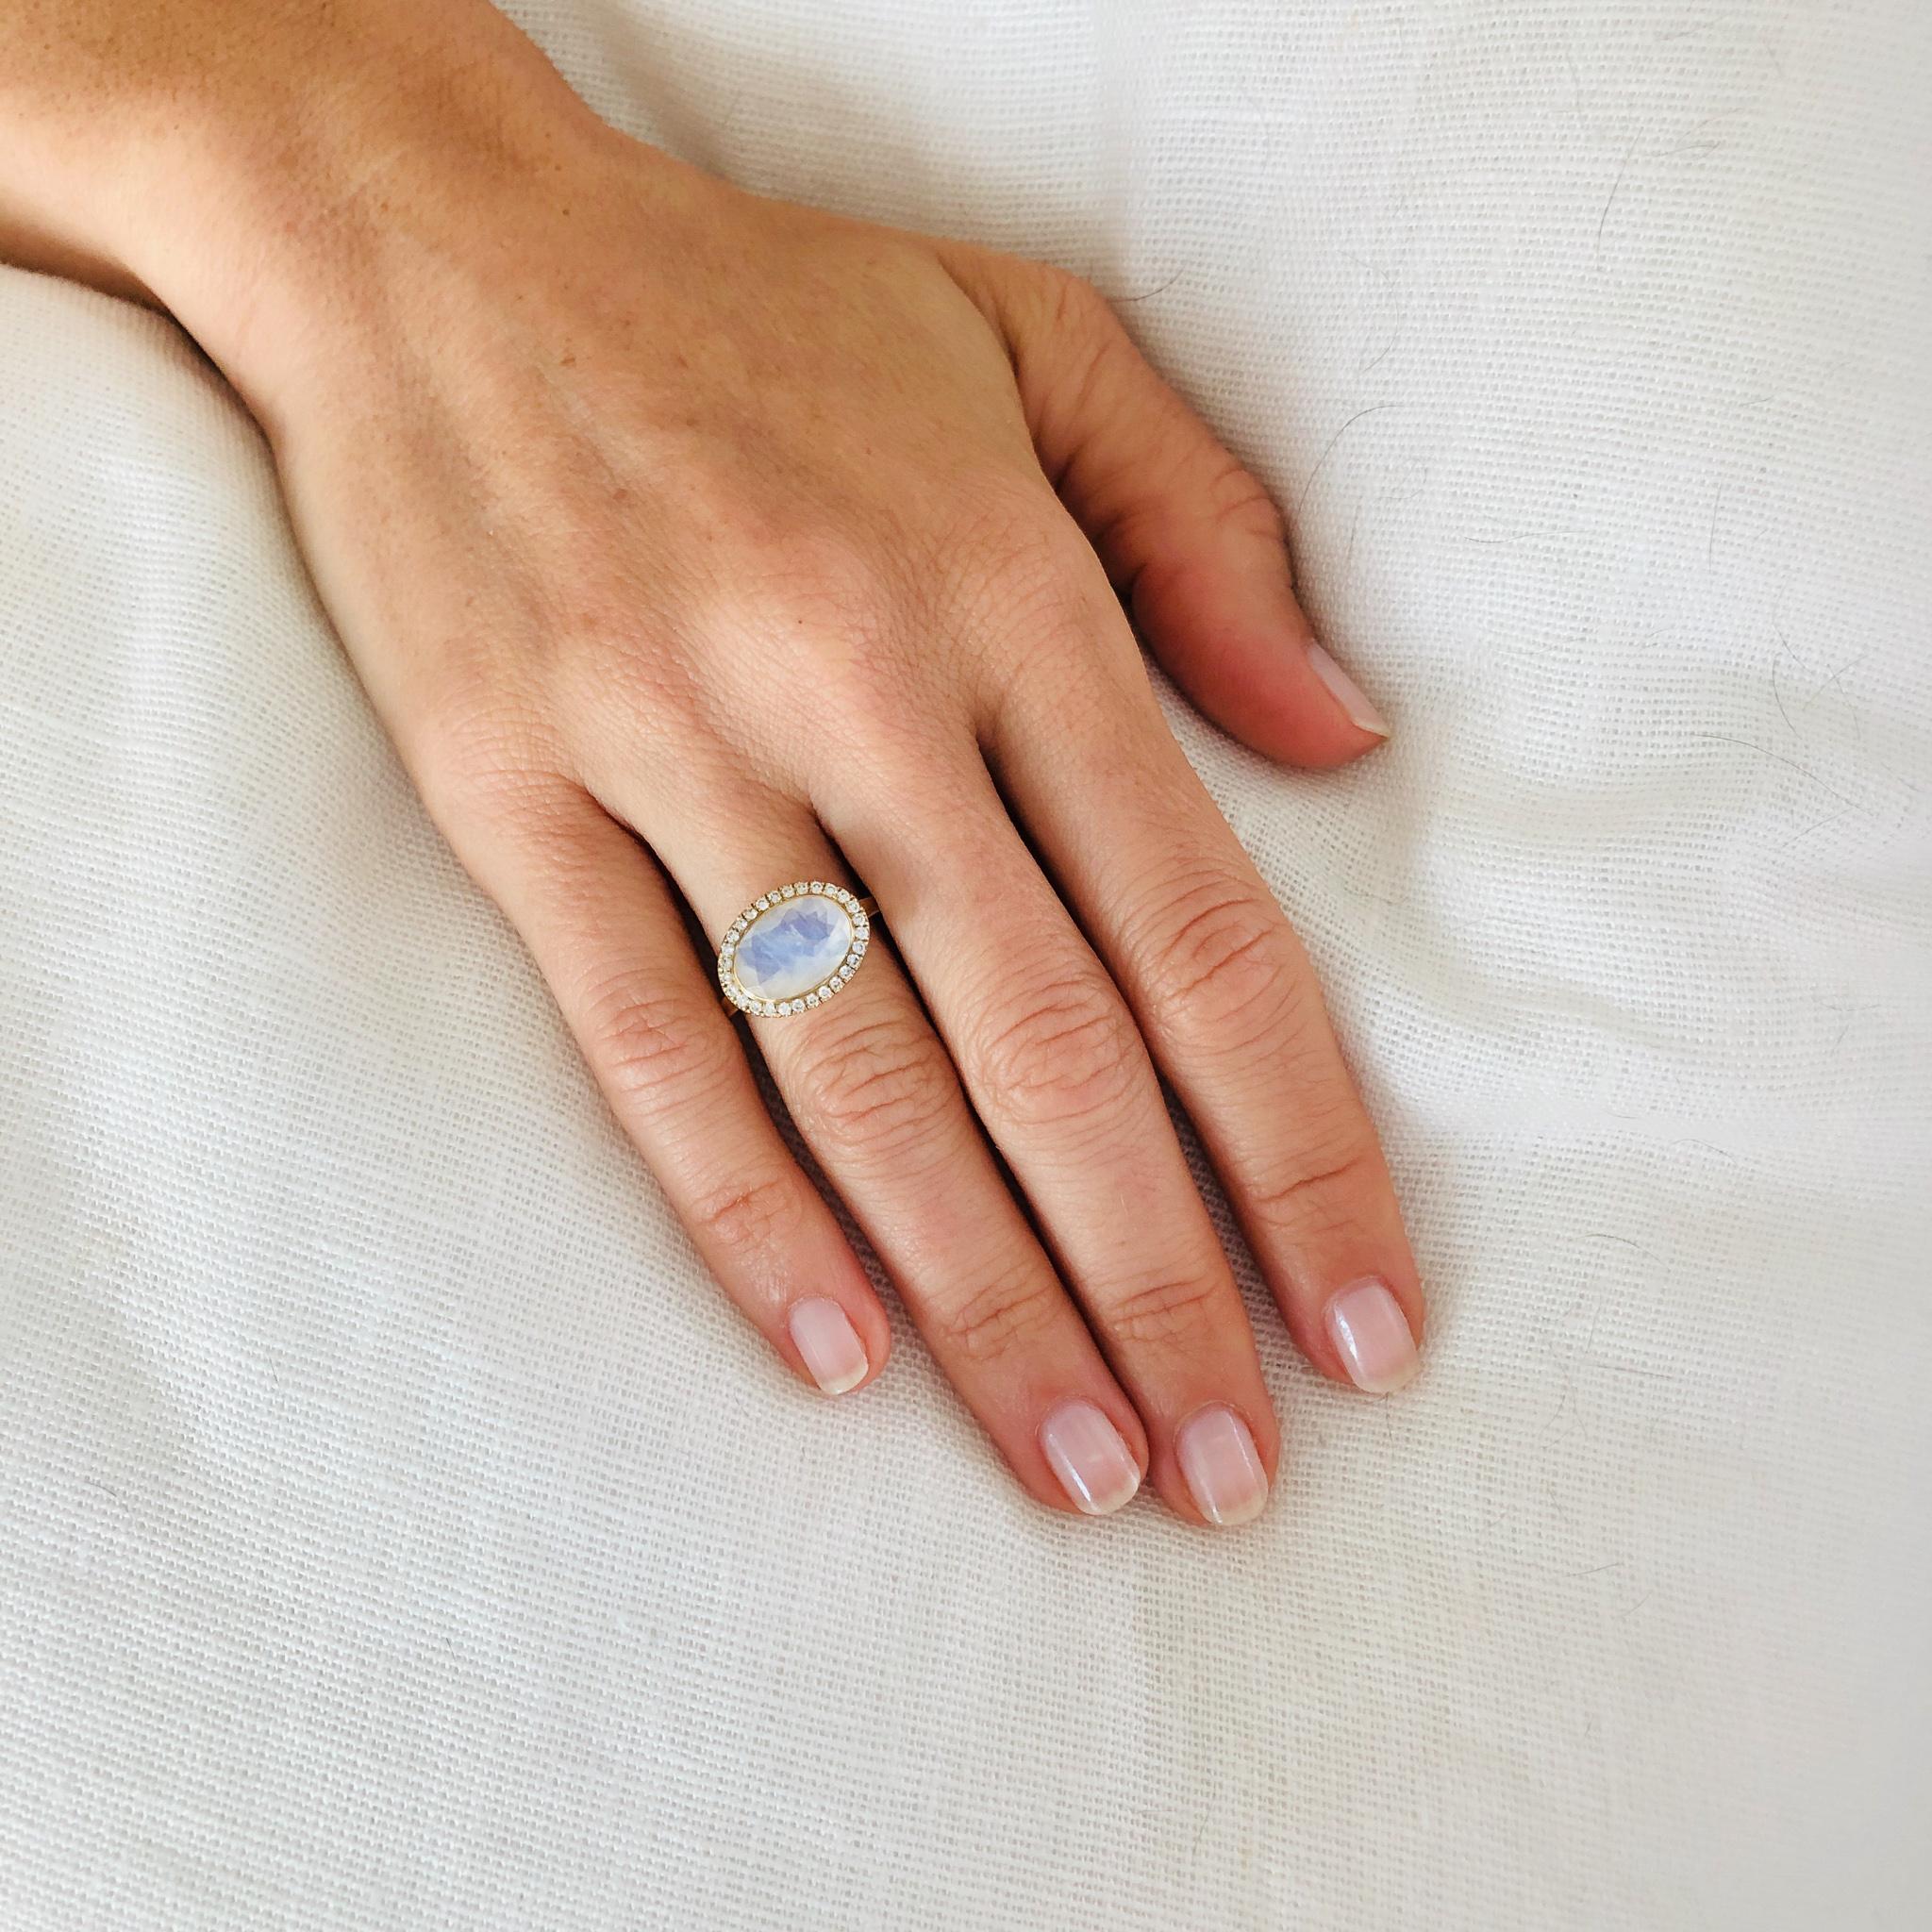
(792, 947)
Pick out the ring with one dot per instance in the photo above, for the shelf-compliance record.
(795, 947)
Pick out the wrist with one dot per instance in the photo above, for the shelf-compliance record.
(252, 169)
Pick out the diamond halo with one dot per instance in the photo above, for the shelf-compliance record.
(855, 910)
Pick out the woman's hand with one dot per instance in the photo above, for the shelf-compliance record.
(688, 544)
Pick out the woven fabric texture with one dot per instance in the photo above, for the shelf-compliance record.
(395, 1529)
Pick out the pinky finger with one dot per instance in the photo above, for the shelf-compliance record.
(607, 935)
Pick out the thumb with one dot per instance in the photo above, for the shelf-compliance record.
(1189, 535)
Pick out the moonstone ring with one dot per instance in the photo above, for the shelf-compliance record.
(793, 948)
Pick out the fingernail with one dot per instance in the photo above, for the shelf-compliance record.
(1223, 1467)
(1094, 1465)
(1348, 693)
(1371, 1333)
(829, 1344)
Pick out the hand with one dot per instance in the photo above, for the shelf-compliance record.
(688, 544)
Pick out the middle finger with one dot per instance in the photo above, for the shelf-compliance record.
(1058, 1075)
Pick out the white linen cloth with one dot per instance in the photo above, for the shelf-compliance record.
(395, 1529)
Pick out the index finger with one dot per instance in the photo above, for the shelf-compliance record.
(1226, 999)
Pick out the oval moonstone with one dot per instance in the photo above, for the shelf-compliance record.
(792, 947)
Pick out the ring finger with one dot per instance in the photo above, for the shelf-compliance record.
(876, 1097)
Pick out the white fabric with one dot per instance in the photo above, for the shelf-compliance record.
(395, 1529)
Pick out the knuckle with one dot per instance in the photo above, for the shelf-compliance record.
(1166, 1309)
(840, 625)
(624, 670)
(749, 1216)
(1319, 1191)
(1004, 521)
(1025, 602)
(878, 1090)
(1224, 494)
(1073, 303)
(1225, 964)
(477, 752)
(820, 578)
(1236, 500)
(1014, 571)
(1065, 1052)
(654, 1048)
(1002, 1316)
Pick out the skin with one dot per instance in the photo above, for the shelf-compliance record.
(689, 542)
